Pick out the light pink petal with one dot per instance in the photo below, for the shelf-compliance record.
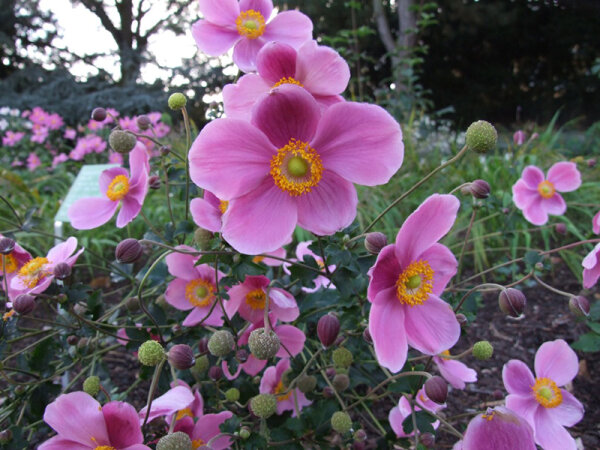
(182, 265)
(302, 250)
(230, 376)
(455, 372)
(564, 176)
(523, 195)
(62, 251)
(175, 295)
(325, 101)
(398, 414)
(424, 227)
(517, 378)
(524, 406)
(360, 142)
(253, 366)
(569, 412)
(230, 158)
(431, 327)
(290, 27)
(321, 70)
(215, 318)
(78, 417)
(292, 340)
(207, 427)
(123, 424)
(535, 212)
(240, 98)
(280, 253)
(269, 381)
(265, 7)
(551, 435)
(139, 166)
(260, 221)
(214, 40)
(222, 12)
(137, 447)
(170, 402)
(283, 305)
(88, 213)
(108, 175)
(287, 112)
(554, 205)
(329, 207)
(532, 176)
(245, 52)
(275, 61)
(384, 273)
(591, 268)
(498, 429)
(596, 223)
(444, 265)
(130, 208)
(386, 322)
(205, 215)
(237, 296)
(60, 443)
(557, 361)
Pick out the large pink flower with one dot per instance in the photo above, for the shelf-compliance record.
(403, 410)
(118, 187)
(246, 27)
(406, 282)
(292, 165)
(81, 423)
(320, 70)
(591, 267)
(454, 372)
(540, 400)
(271, 383)
(537, 196)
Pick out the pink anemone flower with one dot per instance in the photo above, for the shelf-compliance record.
(497, 429)
(81, 423)
(399, 413)
(271, 383)
(302, 250)
(246, 27)
(454, 372)
(193, 289)
(292, 165)
(118, 187)
(12, 263)
(319, 69)
(406, 282)
(591, 268)
(540, 400)
(596, 223)
(537, 196)
(179, 398)
(519, 137)
(33, 162)
(36, 275)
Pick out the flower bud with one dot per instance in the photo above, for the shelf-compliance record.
(341, 382)
(427, 439)
(72, 339)
(360, 435)
(241, 355)
(341, 422)
(480, 189)
(175, 441)
(498, 394)
(154, 182)
(132, 304)
(203, 346)
(202, 238)
(7, 245)
(263, 345)
(232, 394)
(375, 241)
(128, 251)
(263, 405)
(5, 436)
(150, 353)
(519, 137)
(91, 385)
(591, 162)
(177, 101)
(481, 136)
(306, 383)
(143, 122)
(328, 392)
(328, 328)
(483, 350)
(462, 319)
(24, 304)
(215, 373)
(121, 141)
(367, 336)
(200, 366)
(579, 306)
(221, 343)
(512, 302)
(244, 433)
(99, 114)
(62, 271)
(436, 389)
(561, 228)
(181, 356)
(342, 357)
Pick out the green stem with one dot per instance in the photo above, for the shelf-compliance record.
(153, 386)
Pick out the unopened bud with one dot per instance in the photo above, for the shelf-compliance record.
(328, 328)
(151, 353)
(128, 251)
(341, 382)
(132, 304)
(245, 433)
(342, 357)
(436, 389)
(307, 383)
(263, 405)
(200, 366)
(215, 373)
(7, 245)
(341, 422)
(121, 141)
(367, 336)
(328, 392)
(91, 385)
(154, 182)
(375, 241)
(24, 304)
(263, 345)
(99, 114)
(165, 150)
(480, 189)
(202, 238)
(483, 350)
(481, 136)
(232, 394)
(72, 339)
(5, 436)
(241, 355)
(175, 441)
(62, 271)
(181, 356)
(203, 346)
(177, 101)
(427, 439)
(143, 122)
(579, 306)
(462, 319)
(591, 162)
(221, 343)
(512, 302)
(360, 435)
(561, 228)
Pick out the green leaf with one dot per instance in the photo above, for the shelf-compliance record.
(424, 421)
(589, 342)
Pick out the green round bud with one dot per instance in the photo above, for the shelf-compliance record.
(175, 441)
(307, 383)
(342, 357)
(221, 343)
(341, 382)
(122, 141)
(244, 433)
(263, 345)
(263, 405)
(91, 385)
(200, 366)
(483, 350)
(232, 394)
(177, 101)
(202, 238)
(151, 353)
(481, 136)
(341, 422)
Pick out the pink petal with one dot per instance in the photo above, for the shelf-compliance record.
(455, 372)
(230, 158)
(554, 205)
(60, 443)
(384, 273)
(182, 265)
(321, 70)
(223, 12)
(517, 378)
(325, 101)
(283, 305)
(170, 402)
(389, 337)
(205, 215)
(253, 365)
(240, 98)
(269, 381)
(444, 266)
(260, 221)
(62, 251)
(287, 112)
(523, 195)
(564, 176)
(398, 414)
(498, 429)
(292, 340)
(198, 315)
(265, 7)
(360, 142)
(207, 427)
(591, 268)
(245, 52)
(214, 40)
(535, 212)
(329, 207)
(108, 175)
(139, 165)
(557, 361)
(424, 227)
(524, 406)
(237, 296)
(88, 213)
(549, 434)
(130, 208)
(275, 61)
(569, 412)
(123, 424)
(290, 27)
(532, 176)
(227, 373)
(175, 295)
(596, 223)
(431, 327)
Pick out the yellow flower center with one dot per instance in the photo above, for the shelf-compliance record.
(9, 263)
(445, 354)
(199, 292)
(105, 447)
(296, 168)
(256, 299)
(415, 284)
(223, 204)
(33, 271)
(118, 188)
(8, 315)
(489, 416)
(547, 393)
(196, 443)
(281, 388)
(287, 80)
(546, 189)
(183, 413)
(257, 259)
(250, 23)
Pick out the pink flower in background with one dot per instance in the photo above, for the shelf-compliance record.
(537, 196)
(319, 69)
(519, 137)
(302, 250)
(54, 121)
(161, 129)
(94, 125)
(11, 138)
(246, 27)
(13, 262)
(81, 423)
(454, 372)
(38, 116)
(58, 159)
(128, 123)
(406, 282)
(40, 134)
(540, 400)
(33, 162)
(115, 158)
(292, 165)
(118, 187)
(193, 288)
(87, 144)
(403, 410)
(70, 133)
(596, 223)
(591, 268)
(271, 383)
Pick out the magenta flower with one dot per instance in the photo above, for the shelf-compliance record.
(519, 137)
(193, 289)
(454, 372)
(59, 159)
(118, 187)
(246, 27)
(81, 423)
(541, 401)
(319, 69)
(538, 196)
(302, 250)
(406, 282)
(591, 268)
(179, 398)
(11, 138)
(13, 263)
(271, 383)
(70, 133)
(596, 223)
(33, 162)
(293, 165)
(403, 410)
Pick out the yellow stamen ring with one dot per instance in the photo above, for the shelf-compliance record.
(546, 189)
(281, 388)
(287, 80)
(118, 188)
(33, 271)
(489, 416)
(199, 292)
(250, 23)
(415, 283)
(186, 412)
(223, 204)
(296, 168)
(10, 263)
(547, 393)
(256, 299)
(197, 443)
